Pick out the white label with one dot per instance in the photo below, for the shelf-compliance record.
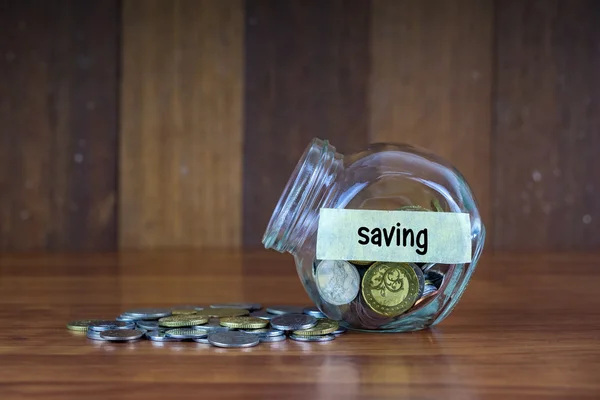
(400, 236)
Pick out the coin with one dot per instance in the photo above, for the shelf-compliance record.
(390, 288)
(201, 340)
(337, 281)
(360, 315)
(94, 335)
(211, 326)
(176, 321)
(429, 289)
(320, 338)
(244, 322)
(245, 306)
(232, 339)
(182, 311)
(149, 325)
(80, 325)
(426, 297)
(426, 267)
(268, 339)
(121, 335)
(340, 330)
(421, 279)
(313, 311)
(362, 263)
(262, 314)
(148, 313)
(264, 332)
(160, 336)
(186, 333)
(100, 326)
(323, 327)
(125, 318)
(223, 312)
(435, 277)
(292, 322)
(279, 310)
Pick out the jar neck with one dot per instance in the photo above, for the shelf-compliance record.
(311, 187)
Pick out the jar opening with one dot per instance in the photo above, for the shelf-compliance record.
(304, 194)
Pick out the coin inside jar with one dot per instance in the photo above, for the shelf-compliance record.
(338, 281)
(389, 288)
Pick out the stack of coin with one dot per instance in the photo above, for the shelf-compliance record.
(220, 325)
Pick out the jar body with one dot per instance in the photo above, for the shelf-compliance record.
(382, 177)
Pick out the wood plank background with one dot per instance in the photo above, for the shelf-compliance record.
(144, 124)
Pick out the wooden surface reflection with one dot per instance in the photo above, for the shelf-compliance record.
(527, 327)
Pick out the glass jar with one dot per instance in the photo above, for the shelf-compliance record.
(383, 177)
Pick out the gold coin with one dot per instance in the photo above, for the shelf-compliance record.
(175, 321)
(361, 262)
(324, 326)
(244, 322)
(222, 312)
(183, 312)
(390, 288)
(80, 325)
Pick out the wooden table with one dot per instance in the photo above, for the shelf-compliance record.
(528, 326)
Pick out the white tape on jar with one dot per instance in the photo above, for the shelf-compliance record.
(400, 236)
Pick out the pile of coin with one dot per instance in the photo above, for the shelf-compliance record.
(371, 294)
(220, 325)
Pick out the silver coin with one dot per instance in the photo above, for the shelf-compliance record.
(100, 326)
(340, 330)
(264, 332)
(94, 335)
(420, 277)
(314, 312)
(279, 310)
(435, 277)
(245, 306)
(201, 340)
(121, 335)
(292, 322)
(429, 289)
(319, 338)
(160, 336)
(262, 314)
(232, 339)
(186, 333)
(211, 326)
(338, 281)
(124, 318)
(269, 339)
(148, 313)
(426, 267)
(149, 325)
